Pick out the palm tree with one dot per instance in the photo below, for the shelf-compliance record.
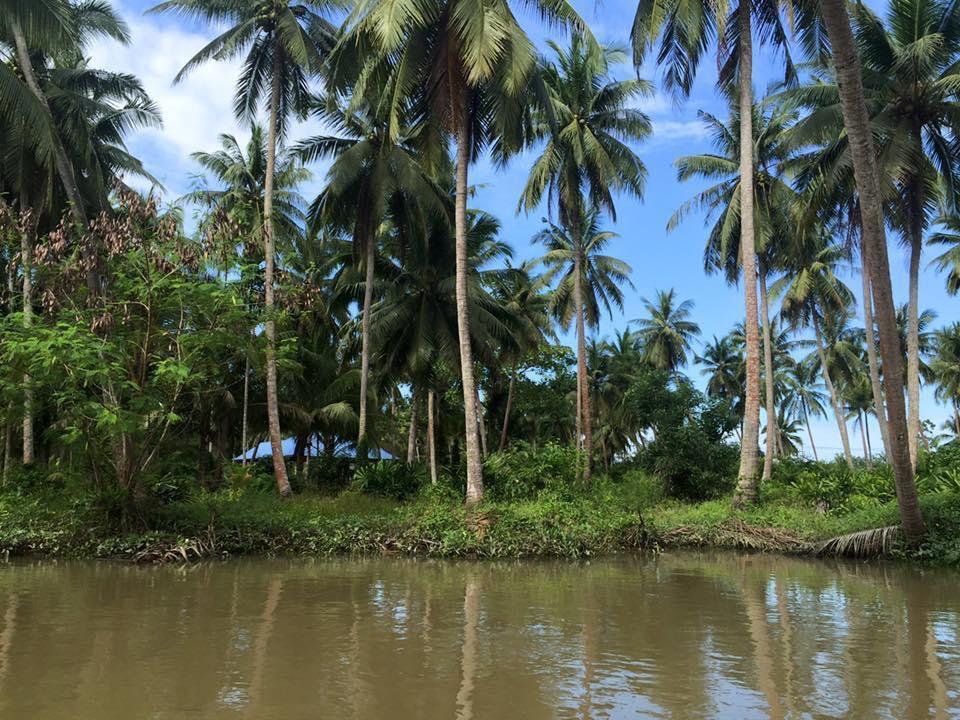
(909, 66)
(814, 296)
(722, 362)
(284, 42)
(587, 124)
(523, 296)
(589, 281)
(415, 328)
(804, 396)
(667, 332)
(858, 398)
(472, 81)
(48, 26)
(373, 169)
(946, 369)
(858, 127)
(773, 199)
(685, 30)
(232, 190)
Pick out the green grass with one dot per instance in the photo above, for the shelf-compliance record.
(607, 518)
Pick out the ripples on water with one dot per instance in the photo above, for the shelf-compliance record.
(679, 636)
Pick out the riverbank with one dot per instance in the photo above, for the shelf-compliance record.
(608, 519)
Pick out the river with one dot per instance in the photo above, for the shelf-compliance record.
(674, 636)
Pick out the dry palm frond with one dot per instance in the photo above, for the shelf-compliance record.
(865, 543)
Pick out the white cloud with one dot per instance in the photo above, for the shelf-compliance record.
(194, 112)
(678, 129)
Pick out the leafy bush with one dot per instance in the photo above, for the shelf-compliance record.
(520, 472)
(688, 451)
(831, 485)
(389, 478)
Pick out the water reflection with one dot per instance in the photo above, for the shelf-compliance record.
(680, 636)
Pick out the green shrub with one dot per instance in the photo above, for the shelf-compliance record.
(830, 485)
(688, 451)
(389, 478)
(521, 473)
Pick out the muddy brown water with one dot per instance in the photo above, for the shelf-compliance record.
(675, 636)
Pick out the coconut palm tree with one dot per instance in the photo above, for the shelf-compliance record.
(231, 191)
(804, 396)
(667, 333)
(284, 42)
(772, 202)
(522, 294)
(468, 67)
(587, 126)
(588, 280)
(814, 296)
(722, 361)
(414, 327)
(685, 30)
(912, 82)
(373, 169)
(858, 399)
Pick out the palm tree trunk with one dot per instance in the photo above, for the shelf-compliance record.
(913, 344)
(412, 433)
(270, 326)
(857, 122)
(26, 250)
(834, 398)
(813, 446)
(474, 466)
(956, 418)
(506, 414)
(370, 261)
(246, 410)
(863, 439)
(866, 429)
(585, 423)
(872, 362)
(432, 435)
(771, 409)
(482, 425)
(746, 492)
(61, 160)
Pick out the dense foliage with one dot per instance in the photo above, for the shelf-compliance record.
(380, 340)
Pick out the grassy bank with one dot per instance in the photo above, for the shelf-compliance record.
(628, 515)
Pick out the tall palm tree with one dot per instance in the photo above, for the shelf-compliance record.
(912, 83)
(373, 168)
(773, 200)
(589, 282)
(685, 30)
(587, 125)
(284, 42)
(668, 332)
(804, 396)
(813, 296)
(414, 327)
(468, 65)
(232, 188)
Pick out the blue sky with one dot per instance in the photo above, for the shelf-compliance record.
(199, 109)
